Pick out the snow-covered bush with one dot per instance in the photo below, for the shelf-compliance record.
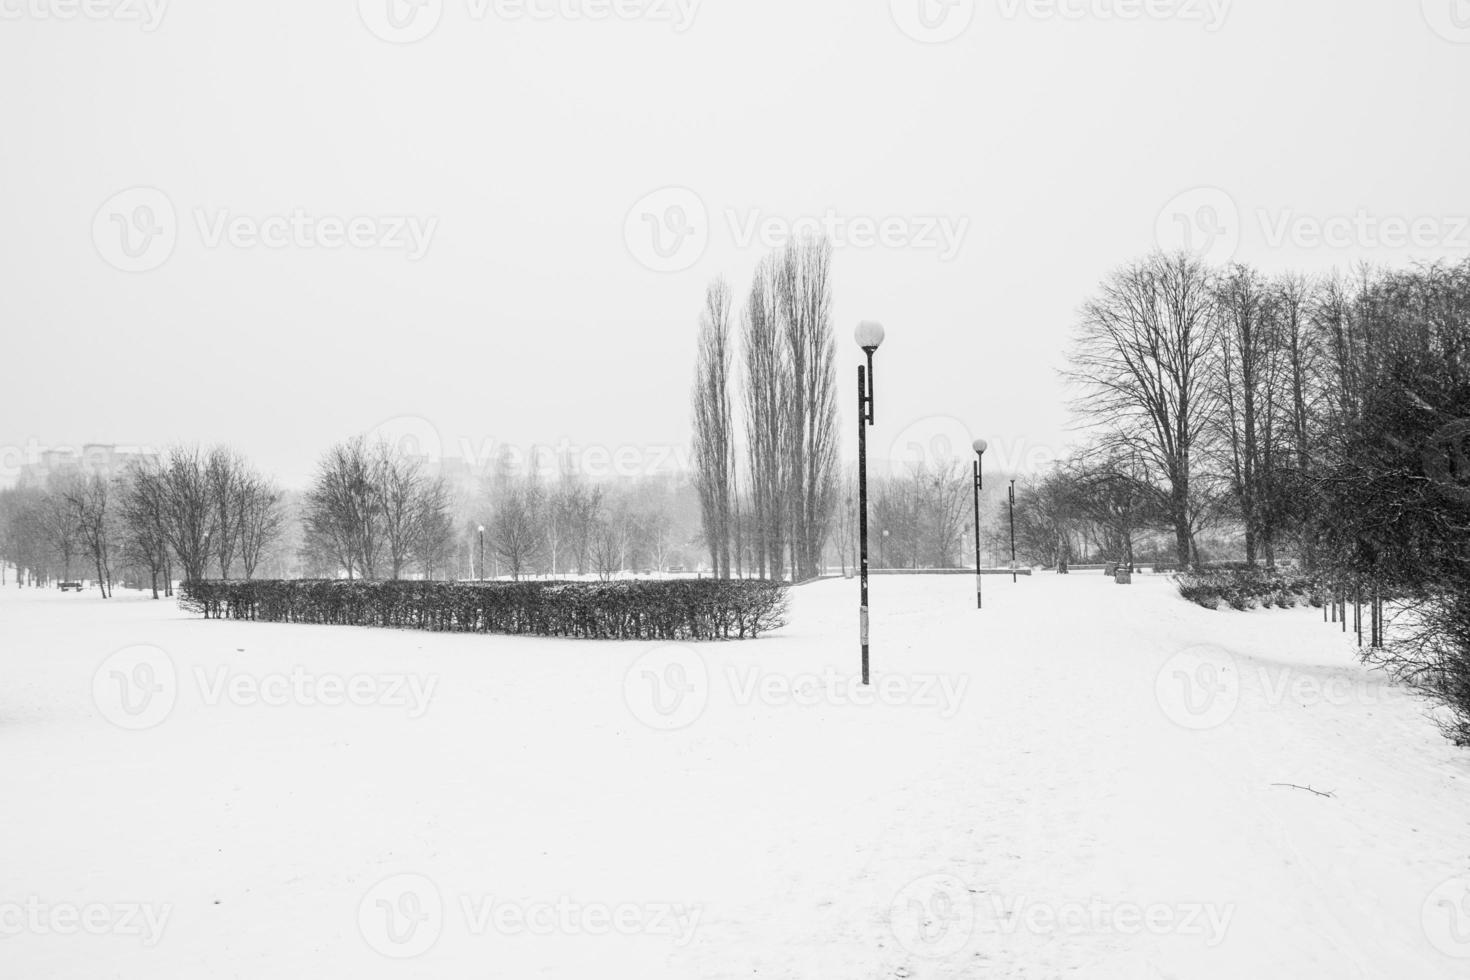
(1200, 590)
(708, 609)
(1244, 587)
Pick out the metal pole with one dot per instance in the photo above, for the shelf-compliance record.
(482, 556)
(1373, 616)
(979, 483)
(872, 387)
(863, 417)
(1358, 610)
(1013, 530)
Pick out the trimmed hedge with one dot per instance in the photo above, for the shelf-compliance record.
(1248, 588)
(708, 609)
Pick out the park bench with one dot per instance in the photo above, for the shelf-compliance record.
(71, 586)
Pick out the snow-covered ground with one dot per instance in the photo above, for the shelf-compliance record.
(1081, 780)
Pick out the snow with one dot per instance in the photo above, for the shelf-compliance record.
(1081, 779)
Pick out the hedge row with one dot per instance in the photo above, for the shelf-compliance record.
(1248, 588)
(708, 609)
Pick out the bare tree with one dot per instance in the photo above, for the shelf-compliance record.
(1142, 359)
(88, 498)
(714, 448)
(24, 538)
(1109, 488)
(810, 396)
(945, 492)
(580, 505)
(766, 420)
(610, 543)
(343, 517)
(1047, 514)
(921, 519)
(435, 536)
(649, 505)
(261, 519)
(182, 487)
(399, 483)
(516, 531)
(224, 472)
(1299, 394)
(1244, 390)
(145, 543)
(896, 524)
(58, 525)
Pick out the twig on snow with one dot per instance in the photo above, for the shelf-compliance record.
(1330, 796)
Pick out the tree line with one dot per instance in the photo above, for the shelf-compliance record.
(1224, 407)
(369, 512)
(1259, 417)
(189, 511)
(768, 509)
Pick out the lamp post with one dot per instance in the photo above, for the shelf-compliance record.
(980, 446)
(1012, 505)
(482, 552)
(883, 549)
(869, 336)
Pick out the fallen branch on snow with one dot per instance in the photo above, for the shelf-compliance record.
(1330, 796)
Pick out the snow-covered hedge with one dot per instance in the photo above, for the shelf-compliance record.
(708, 609)
(1248, 588)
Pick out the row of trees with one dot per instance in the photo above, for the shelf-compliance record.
(1217, 398)
(922, 518)
(190, 510)
(370, 512)
(373, 513)
(777, 509)
(1324, 418)
(568, 526)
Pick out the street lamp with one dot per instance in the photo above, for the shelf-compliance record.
(1013, 530)
(980, 446)
(482, 552)
(869, 336)
(882, 548)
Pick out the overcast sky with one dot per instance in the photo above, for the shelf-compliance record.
(540, 195)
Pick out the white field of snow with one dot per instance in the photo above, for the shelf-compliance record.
(1078, 780)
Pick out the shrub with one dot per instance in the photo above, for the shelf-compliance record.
(1245, 588)
(1432, 653)
(709, 609)
(1199, 590)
